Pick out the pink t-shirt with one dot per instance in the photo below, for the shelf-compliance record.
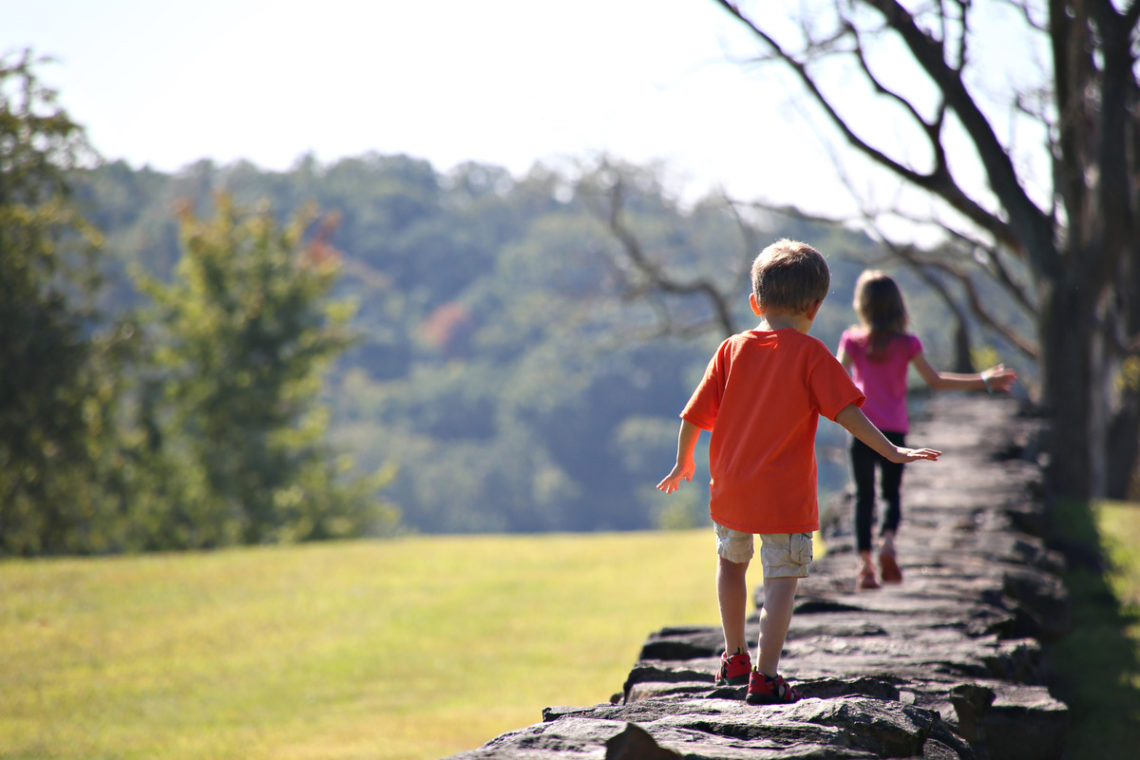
(883, 381)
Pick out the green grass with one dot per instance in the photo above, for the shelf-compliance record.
(1097, 665)
(410, 648)
(418, 648)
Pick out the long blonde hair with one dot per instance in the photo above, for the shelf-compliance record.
(882, 312)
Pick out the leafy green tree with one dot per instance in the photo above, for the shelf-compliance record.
(58, 374)
(244, 333)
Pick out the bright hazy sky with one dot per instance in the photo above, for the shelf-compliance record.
(506, 82)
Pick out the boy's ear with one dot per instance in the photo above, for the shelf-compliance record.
(814, 309)
(755, 304)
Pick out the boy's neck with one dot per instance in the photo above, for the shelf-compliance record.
(781, 319)
(784, 320)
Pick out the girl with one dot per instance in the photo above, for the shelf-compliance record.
(877, 354)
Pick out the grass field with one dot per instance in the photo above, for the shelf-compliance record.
(404, 649)
(1097, 665)
(417, 648)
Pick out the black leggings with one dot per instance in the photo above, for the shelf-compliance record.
(863, 461)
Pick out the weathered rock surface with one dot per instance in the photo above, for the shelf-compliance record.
(946, 666)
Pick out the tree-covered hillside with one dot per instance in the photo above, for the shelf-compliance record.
(505, 360)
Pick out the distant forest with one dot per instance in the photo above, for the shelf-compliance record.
(503, 360)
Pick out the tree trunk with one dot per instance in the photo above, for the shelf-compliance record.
(1066, 353)
(1122, 479)
(963, 361)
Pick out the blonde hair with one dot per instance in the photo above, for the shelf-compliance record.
(881, 309)
(790, 275)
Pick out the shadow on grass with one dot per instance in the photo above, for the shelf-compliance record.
(1096, 667)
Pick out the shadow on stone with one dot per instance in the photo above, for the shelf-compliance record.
(634, 743)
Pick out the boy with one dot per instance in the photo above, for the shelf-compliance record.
(761, 397)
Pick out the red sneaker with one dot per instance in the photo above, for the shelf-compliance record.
(763, 690)
(734, 670)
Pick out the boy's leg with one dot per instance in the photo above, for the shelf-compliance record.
(732, 594)
(775, 617)
(734, 552)
(785, 558)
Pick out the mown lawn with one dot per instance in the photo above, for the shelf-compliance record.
(411, 648)
(1097, 666)
(417, 648)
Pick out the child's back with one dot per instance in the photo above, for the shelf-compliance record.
(761, 397)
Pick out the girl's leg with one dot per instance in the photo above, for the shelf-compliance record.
(891, 485)
(732, 594)
(863, 469)
(775, 617)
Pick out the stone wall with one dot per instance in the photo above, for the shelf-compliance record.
(947, 665)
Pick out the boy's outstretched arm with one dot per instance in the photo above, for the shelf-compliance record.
(852, 418)
(685, 467)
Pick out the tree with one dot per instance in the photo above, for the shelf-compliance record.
(245, 331)
(688, 264)
(1072, 232)
(58, 382)
(659, 245)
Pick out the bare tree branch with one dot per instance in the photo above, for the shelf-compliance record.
(809, 82)
(1032, 229)
(979, 310)
(939, 180)
(932, 129)
(998, 270)
(659, 279)
(751, 246)
(1027, 9)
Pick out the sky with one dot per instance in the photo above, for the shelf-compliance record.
(504, 82)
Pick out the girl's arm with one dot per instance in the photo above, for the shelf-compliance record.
(852, 418)
(685, 467)
(996, 378)
(844, 359)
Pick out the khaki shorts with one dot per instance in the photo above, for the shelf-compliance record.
(782, 555)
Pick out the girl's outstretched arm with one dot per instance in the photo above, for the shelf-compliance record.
(852, 418)
(844, 358)
(996, 378)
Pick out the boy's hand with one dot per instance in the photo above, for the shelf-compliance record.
(998, 378)
(681, 471)
(904, 455)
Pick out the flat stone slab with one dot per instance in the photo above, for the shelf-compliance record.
(947, 665)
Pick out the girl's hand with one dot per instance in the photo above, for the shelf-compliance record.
(903, 455)
(681, 471)
(998, 378)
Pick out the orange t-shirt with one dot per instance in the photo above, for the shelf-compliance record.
(761, 396)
